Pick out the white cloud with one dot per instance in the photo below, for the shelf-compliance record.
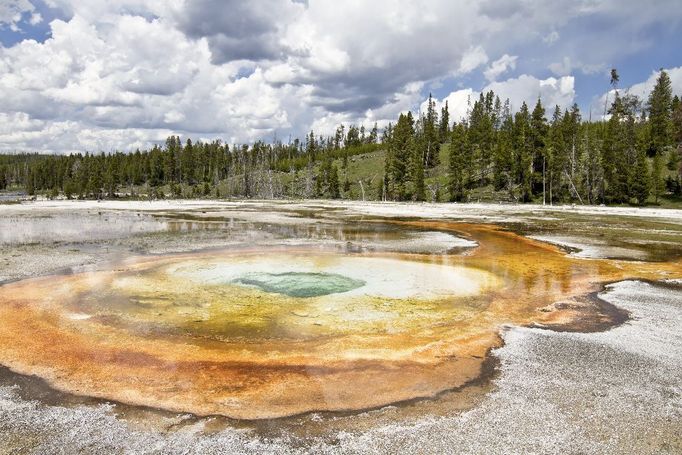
(641, 90)
(562, 68)
(472, 59)
(105, 11)
(124, 73)
(102, 69)
(113, 81)
(12, 11)
(500, 66)
(568, 66)
(525, 88)
(35, 19)
(18, 121)
(459, 104)
(411, 95)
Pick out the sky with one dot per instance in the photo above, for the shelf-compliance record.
(108, 75)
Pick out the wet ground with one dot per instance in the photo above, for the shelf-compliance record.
(613, 390)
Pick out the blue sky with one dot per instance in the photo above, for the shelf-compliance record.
(116, 75)
(24, 29)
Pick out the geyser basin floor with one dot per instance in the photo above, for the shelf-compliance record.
(178, 333)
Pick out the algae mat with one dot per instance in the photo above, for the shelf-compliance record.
(258, 333)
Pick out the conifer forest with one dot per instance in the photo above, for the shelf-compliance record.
(499, 152)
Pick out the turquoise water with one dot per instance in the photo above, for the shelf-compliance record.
(300, 284)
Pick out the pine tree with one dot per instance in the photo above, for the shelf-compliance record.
(431, 144)
(524, 153)
(187, 163)
(109, 182)
(399, 154)
(619, 152)
(30, 184)
(556, 157)
(338, 137)
(170, 164)
(591, 165)
(94, 187)
(459, 163)
(640, 184)
(481, 135)
(503, 159)
(334, 192)
(677, 138)
(659, 106)
(353, 136)
(572, 152)
(444, 126)
(538, 136)
(657, 183)
(373, 134)
(311, 147)
(417, 176)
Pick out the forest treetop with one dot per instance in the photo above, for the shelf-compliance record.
(535, 153)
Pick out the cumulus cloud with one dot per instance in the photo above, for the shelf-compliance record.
(459, 103)
(231, 69)
(528, 89)
(640, 90)
(239, 30)
(643, 89)
(500, 66)
(362, 56)
(12, 12)
(561, 68)
(122, 74)
(133, 81)
(410, 96)
(474, 58)
(525, 88)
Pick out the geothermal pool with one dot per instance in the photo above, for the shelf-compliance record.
(277, 326)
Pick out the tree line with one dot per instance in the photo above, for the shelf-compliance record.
(192, 169)
(630, 155)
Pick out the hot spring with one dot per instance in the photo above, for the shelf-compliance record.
(262, 332)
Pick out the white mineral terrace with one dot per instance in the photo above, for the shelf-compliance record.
(383, 277)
